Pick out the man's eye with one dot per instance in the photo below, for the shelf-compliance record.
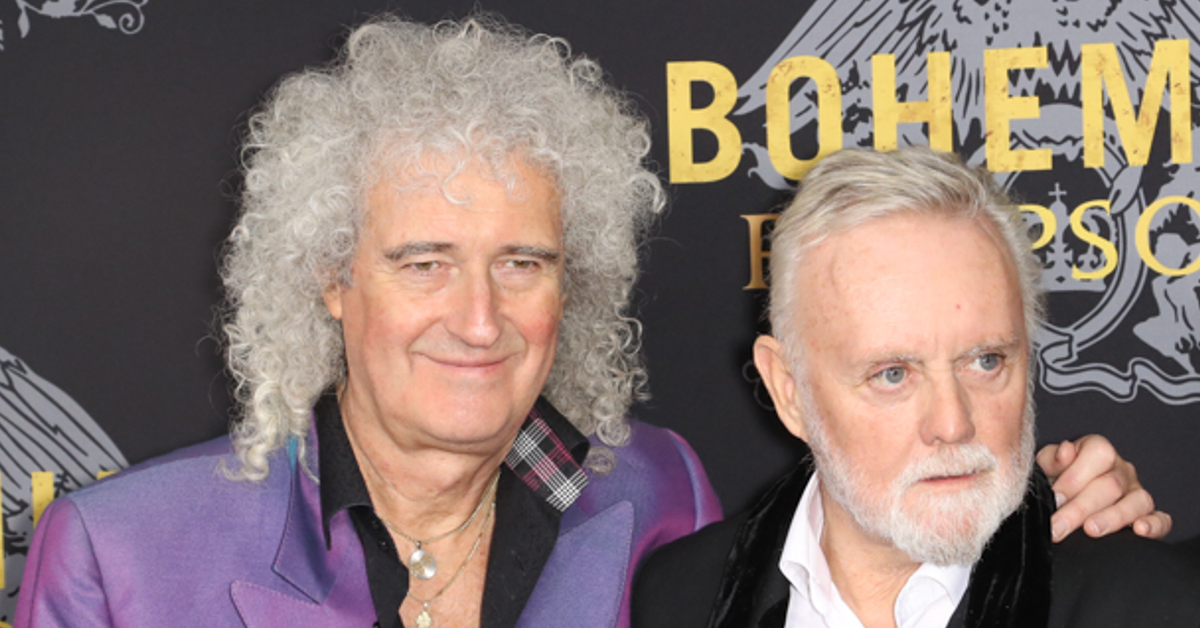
(892, 375)
(989, 361)
(423, 267)
(521, 264)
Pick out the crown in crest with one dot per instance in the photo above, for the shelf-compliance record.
(1066, 251)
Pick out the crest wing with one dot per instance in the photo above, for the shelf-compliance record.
(1135, 27)
(846, 35)
(45, 430)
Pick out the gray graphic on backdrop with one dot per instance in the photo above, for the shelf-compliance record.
(41, 430)
(1081, 353)
(120, 15)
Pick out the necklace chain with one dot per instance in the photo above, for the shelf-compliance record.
(424, 619)
(419, 543)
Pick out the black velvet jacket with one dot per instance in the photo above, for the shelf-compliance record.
(727, 575)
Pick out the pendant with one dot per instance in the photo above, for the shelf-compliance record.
(424, 620)
(422, 565)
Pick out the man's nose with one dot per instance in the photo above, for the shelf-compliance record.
(948, 418)
(475, 318)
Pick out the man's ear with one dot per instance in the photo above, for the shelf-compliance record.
(333, 300)
(781, 384)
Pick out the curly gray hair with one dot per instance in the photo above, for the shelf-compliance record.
(854, 186)
(400, 92)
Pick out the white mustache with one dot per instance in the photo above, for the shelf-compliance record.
(949, 461)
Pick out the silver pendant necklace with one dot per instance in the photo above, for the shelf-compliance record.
(421, 564)
(424, 619)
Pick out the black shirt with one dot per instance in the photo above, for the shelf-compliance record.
(527, 512)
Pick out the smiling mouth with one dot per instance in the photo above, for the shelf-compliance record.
(469, 364)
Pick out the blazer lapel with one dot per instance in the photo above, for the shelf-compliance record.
(583, 581)
(327, 587)
(1010, 584)
(346, 606)
(753, 590)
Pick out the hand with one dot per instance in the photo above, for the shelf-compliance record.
(1098, 489)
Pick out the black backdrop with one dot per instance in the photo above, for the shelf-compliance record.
(118, 160)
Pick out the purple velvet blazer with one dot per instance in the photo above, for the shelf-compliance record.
(172, 542)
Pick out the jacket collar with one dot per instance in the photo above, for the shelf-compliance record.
(332, 585)
(584, 580)
(1010, 585)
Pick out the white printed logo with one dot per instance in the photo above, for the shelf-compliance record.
(121, 15)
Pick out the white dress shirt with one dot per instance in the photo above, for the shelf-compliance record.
(927, 600)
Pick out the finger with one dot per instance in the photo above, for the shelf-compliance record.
(1054, 459)
(1093, 505)
(1155, 525)
(1128, 510)
(1094, 458)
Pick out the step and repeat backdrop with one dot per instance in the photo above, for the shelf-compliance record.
(120, 123)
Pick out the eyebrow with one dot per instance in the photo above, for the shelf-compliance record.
(1004, 344)
(539, 252)
(873, 361)
(409, 249)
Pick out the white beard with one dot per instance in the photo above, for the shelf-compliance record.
(944, 529)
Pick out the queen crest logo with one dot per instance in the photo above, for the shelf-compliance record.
(1118, 275)
(1082, 109)
(48, 446)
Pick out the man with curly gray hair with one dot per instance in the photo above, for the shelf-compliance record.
(427, 320)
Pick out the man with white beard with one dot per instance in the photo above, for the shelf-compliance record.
(903, 303)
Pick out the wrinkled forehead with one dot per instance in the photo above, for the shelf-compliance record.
(884, 240)
(400, 173)
(905, 270)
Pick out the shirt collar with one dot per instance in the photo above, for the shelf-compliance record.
(802, 560)
(932, 586)
(342, 484)
(547, 456)
(803, 564)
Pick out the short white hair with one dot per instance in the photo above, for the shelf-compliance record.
(854, 186)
